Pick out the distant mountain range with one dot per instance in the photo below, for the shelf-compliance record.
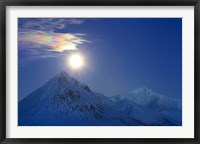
(63, 101)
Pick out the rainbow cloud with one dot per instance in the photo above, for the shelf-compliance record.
(37, 38)
(58, 42)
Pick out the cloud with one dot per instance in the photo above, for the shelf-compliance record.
(29, 55)
(38, 38)
(54, 41)
(47, 24)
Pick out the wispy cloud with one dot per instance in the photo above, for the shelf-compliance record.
(54, 41)
(38, 38)
(47, 24)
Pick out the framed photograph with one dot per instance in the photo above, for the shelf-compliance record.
(99, 71)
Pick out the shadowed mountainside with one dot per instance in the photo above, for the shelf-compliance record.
(63, 101)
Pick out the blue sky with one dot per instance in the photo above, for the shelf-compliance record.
(120, 54)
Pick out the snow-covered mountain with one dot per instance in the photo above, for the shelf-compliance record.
(167, 106)
(63, 101)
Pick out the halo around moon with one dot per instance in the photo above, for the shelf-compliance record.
(76, 61)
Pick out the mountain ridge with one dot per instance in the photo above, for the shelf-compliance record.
(66, 102)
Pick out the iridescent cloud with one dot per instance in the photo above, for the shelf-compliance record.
(39, 38)
(54, 41)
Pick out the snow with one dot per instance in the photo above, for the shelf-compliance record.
(63, 101)
(167, 106)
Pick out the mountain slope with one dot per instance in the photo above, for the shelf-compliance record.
(167, 106)
(63, 101)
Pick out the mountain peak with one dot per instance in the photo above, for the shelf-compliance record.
(63, 73)
(142, 90)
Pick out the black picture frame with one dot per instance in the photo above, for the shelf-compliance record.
(5, 3)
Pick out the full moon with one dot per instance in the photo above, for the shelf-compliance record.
(76, 61)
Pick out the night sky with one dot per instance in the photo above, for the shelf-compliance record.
(120, 54)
